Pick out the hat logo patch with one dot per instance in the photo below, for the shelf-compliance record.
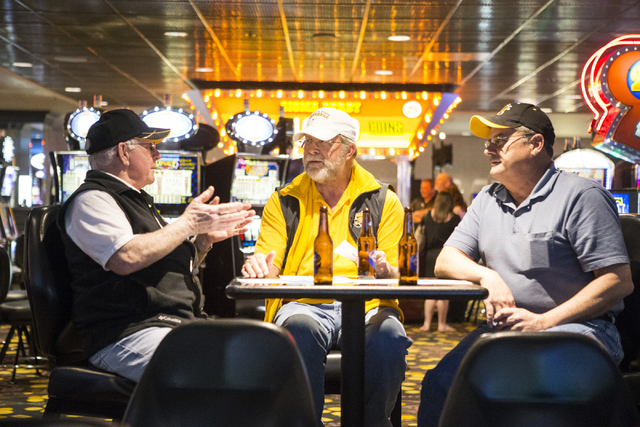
(504, 109)
(322, 114)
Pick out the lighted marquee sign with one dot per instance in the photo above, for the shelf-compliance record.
(251, 127)
(611, 89)
(181, 123)
(80, 122)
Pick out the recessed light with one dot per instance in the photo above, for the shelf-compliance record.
(23, 64)
(72, 89)
(104, 104)
(384, 72)
(204, 70)
(546, 110)
(398, 38)
(175, 34)
(71, 59)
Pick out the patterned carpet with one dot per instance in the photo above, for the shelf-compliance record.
(27, 397)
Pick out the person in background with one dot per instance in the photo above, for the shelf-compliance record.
(421, 205)
(444, 180)
(546, 244)
(334, 179)
(437, 225)
(135, 277)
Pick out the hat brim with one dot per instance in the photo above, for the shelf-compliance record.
(155, 134)
(481, 127)
(317, 132)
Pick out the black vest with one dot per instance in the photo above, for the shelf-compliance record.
(107, 306)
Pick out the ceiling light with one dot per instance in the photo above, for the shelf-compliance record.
(399, 38)
(175, 34)
(204, 70)
(72, 89)
(384, 72)
(23, 64)
(546, 110)
(71, 59)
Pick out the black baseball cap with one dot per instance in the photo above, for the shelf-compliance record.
(118, 126)
(511, 116)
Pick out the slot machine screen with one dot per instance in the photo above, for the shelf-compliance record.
(177, 181)
(248, 240)
(9, 181)
(177, 178)
(626, 201)
(256, 179)
(72, 169)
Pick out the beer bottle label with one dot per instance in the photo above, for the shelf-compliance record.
(413, 263)
(372, 259)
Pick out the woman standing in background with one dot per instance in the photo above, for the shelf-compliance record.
(437, 225)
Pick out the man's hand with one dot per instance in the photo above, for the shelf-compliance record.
(499, 294)
(258, 265)
(519, 319)
(383, 268)
(206, 217)
(205, 240)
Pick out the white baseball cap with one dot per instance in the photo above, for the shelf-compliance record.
(325, 123)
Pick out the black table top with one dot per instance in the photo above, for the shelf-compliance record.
(365, 289)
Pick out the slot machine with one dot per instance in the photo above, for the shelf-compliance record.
(243, 177)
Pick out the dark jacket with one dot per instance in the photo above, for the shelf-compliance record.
(108, 306)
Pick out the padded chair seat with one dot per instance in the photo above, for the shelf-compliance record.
(16, 311)
(332, 372)
(632, 380)
(85, 383)
(17, 295)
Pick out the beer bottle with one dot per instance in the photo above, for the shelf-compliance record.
(366, 247)
(408, 252)
(323, 251)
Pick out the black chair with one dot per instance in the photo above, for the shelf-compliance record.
(231, 372)
(549, 379)
(75, 386)
(628, 321)
(17, 314)
(333, 384)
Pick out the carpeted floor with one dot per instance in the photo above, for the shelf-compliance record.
(27, 397)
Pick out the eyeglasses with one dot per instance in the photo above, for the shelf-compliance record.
(322, 145)
(499, 141)
(149, 146)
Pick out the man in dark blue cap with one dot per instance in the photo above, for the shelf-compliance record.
(134, 275)
(551, 250)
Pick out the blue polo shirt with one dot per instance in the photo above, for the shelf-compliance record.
(547, 248)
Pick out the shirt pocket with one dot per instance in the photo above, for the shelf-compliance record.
(538, 248)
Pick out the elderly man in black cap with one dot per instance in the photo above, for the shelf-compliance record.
(134, 275)
(553, 256)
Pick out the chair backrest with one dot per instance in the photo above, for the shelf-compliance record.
(47, 279)
(5, 273)
(628, 321)
(529, 379)
(237, 372)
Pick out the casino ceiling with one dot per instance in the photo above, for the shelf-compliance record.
(134, 52)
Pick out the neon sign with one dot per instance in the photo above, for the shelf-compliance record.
(610, 84)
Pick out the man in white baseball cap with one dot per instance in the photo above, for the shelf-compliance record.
(326, 123)
(289, 225)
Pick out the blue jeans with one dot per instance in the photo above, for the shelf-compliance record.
(318, 329)
(130, 356)
(437, 382)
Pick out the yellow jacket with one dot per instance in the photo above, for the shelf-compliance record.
(273, 232)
